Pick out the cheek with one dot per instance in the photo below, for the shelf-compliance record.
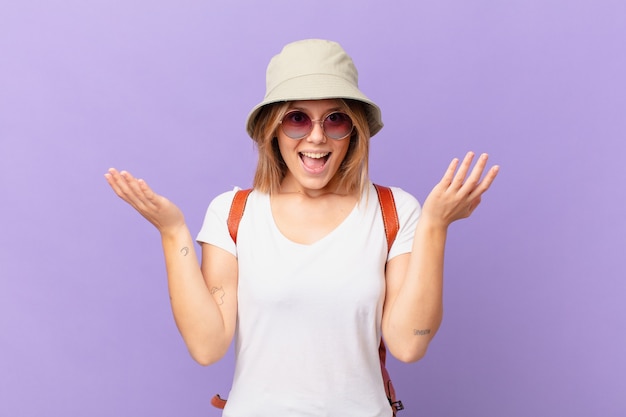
(286, 147)
(343, 150)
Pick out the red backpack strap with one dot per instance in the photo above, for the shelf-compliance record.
(236, 212)
(218, 402)
(396, 405)
(390, 214)
(392, 225)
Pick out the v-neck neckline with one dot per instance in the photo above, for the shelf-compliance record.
(329, 235)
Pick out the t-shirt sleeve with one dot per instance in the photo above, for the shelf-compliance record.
(409, 211)
(214, 229)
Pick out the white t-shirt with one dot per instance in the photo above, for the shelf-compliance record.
(309, 316)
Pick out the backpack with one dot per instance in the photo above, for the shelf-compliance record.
(392, 225)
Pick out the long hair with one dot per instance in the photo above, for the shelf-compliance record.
(271, 168)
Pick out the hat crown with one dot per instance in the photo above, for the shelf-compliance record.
(309, 58)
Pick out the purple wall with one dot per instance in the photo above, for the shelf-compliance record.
(535, 286)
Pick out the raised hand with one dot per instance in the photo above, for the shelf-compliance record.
(457, 195)
(158, 210)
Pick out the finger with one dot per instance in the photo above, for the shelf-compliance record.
(477, 172)
(449, 174)
(139, 190)
(459, 178)
(110, 174)
(486, 182)
(114, 179)
(123, 181)
(475, 202)
(146, 190)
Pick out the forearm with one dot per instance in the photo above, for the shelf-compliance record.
(196, 312)
(417, 310)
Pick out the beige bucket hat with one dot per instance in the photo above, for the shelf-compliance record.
(314, 69)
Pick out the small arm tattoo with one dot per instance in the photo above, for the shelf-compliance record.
(185, 251)
(218, 293)
(423, 332)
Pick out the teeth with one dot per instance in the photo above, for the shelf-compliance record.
(315, 155)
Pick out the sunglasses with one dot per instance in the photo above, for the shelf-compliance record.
(297, 125)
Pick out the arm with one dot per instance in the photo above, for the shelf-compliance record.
(204, 315)
(414, 299)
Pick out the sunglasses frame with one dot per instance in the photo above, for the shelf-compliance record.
(320, 121)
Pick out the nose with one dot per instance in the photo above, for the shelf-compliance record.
(317, 133)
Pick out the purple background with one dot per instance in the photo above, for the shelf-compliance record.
(534, 322)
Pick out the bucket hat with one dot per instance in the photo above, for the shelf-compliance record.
(314, 69)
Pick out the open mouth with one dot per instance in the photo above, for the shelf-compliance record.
(314, 161)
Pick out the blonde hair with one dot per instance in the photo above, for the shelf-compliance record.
(271, 168)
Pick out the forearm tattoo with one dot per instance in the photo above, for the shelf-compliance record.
(423, 332)
(185, 251)
(218, 294)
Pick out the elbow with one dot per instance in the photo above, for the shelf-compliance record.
(204, 360)
(410, 355)
(206, 357)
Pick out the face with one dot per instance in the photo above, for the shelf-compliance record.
(314, 160)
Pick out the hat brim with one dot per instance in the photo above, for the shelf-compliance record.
(317, 87)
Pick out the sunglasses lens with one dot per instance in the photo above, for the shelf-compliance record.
(337, 125)
(296, 124)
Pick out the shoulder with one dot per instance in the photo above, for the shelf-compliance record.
(402, 195)
(407, 206)
(408, 211)
(404, 200)
(223, 200)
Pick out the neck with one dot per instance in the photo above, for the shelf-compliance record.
(290, 186)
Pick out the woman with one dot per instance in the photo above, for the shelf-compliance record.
(310, 286)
